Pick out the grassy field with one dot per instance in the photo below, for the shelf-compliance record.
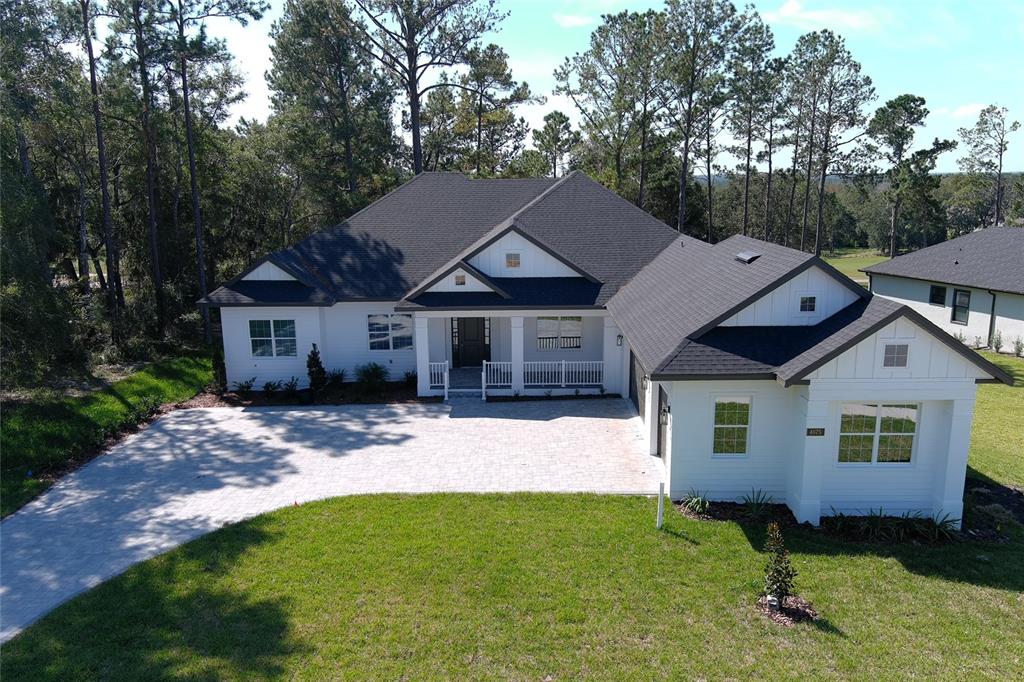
(44, 434)
(529, 587)
(997, 437)
(849, 262)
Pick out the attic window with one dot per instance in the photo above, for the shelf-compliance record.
(747, 257)
(512, 260)
(460, 280)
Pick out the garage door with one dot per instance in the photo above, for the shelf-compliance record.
(636, 390)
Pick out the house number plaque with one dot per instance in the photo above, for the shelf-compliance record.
(816, 431)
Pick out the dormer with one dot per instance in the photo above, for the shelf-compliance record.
(806, 299)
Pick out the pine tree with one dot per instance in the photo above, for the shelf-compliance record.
(779, 572)
(315, 370)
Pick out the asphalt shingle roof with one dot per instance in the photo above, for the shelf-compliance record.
(992, 258)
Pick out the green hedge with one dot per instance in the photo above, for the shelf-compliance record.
(42, 435)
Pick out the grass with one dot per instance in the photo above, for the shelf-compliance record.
(850, 261)
(46, 434)
(997, 436)
(528, 587)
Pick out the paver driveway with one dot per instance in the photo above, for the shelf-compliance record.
(193, 471)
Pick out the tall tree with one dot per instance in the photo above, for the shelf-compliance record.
(986, 144)
(411, 38)
(771, 120)
(184, 16)
(750, 82)
(891, 130)
(442, 145)
(555, 139)
(494, 93)
(701, 33)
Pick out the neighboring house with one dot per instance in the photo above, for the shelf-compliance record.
(971, 286)
(753, 366)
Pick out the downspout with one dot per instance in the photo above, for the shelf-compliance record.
(992, 319)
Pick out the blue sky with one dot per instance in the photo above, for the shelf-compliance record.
(959, 56)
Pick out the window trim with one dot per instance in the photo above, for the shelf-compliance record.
(875, 435)
(955, 306)
(931, 294)
(272, 338)
(715, 398)
(800, 304)
(558, 345)
(391, 334)
(460, 279)
(906, 355)
(519, 260)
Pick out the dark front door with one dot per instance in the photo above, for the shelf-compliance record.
(636, 375)
(473, 348)
(663, 410)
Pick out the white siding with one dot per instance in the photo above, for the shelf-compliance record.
(448, 284)
(347, 342)
(914, 293)
(239, 362)
(534, 261)
(774, 420)
(268, 271)
(781, 306)
(1010, 318)
(929, 357)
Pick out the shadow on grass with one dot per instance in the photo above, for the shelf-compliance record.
(983, 564)
(164, 619)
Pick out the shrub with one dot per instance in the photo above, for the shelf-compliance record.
(315, 370)
(271, 387)
(1018, 347)
(409, 379)
(961, 337)
(877, 527)
(978, 343)
(244, 388)
(757, 502)
(779, 573)
(997, 341)
(291, 388)
(335, 378)
(696, 501)
(372, 377)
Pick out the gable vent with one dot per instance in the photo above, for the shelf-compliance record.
(747, 257)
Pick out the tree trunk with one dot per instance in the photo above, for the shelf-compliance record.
(792, 187)
(807, 187)
(687, 130)
(23, 157)
(640, 197)
(346, 115)
(894, 213)
(821, 203)
(83, 235)
(768, 187)
(999, 191)
(101, 153)
(746, 174)
(197, 218)
(150, 144)
(479, 128)
(94, 255)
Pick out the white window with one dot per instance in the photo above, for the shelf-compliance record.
(390, 332)
(554, 333)
(808, 304)
(512, 259)
(895, 355)
(272, 338)
(732, 426)
(460, 280)
(877, 434)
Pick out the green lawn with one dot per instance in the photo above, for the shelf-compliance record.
(850, 261)
(997, 437)
(45, 434)
(527, 587)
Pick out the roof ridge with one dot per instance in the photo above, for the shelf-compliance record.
(537, 199)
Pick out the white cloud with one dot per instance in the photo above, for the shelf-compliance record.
(573, 20)
(970, 110)
(793, 13)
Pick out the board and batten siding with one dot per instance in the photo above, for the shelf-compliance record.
(340, 331)
(781, 306)
(534, 261)
(915, 294)
(447, 283)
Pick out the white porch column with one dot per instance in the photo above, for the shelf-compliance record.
(517, 353)
(805, 500)
(421, 341)
(612, 357)
(948, 493)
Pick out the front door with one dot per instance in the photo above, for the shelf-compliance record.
(663, 412)
(473, 348)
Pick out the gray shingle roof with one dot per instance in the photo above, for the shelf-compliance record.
(263, 292)
(395, 244)
(692, 287)
(992, 258)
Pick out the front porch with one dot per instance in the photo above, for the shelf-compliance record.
(494, 354)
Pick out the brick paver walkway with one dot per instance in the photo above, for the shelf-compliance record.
(193, 471)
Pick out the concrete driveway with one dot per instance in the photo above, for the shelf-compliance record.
(193, 471)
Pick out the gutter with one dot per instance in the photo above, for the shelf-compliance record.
(992, 319)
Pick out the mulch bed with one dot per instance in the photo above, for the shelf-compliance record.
(792, 610)
(396, 393)
(735, 511)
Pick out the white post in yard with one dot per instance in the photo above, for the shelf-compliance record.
(483, 381)
(661, 504)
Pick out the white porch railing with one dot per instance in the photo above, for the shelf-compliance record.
(439, 376)
(563, 373)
